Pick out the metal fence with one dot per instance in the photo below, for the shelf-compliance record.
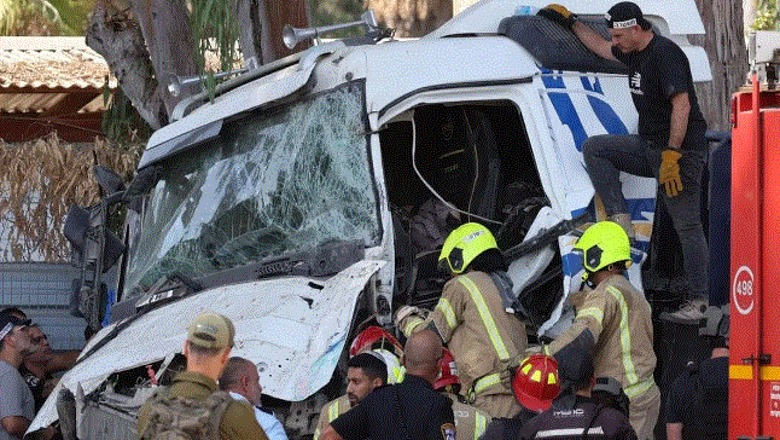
(42, 291)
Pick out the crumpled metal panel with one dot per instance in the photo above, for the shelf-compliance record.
(293, 328)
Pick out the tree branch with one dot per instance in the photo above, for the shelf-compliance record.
(116, 36)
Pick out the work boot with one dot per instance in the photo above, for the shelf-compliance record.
(624, 220)
(691, 312)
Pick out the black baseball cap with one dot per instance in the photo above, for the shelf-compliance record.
(625, 15)
(8, 322)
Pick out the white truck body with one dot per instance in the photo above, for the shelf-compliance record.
(295, 327)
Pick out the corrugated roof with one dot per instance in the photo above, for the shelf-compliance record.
(50, 62)
(50, 83)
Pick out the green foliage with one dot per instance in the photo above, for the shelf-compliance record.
(767, 16)
(121, 122)
(328, 12)
(73, 15)
(216, 31)
(44, 17)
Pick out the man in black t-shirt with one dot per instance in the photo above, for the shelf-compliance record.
(411, 410)
(670, 146)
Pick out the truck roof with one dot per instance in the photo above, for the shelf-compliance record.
(395, 69)
(681, 17)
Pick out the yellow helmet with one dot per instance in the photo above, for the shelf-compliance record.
(463, 245)
(602, 244)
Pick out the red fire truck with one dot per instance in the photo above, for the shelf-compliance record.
(754, 365)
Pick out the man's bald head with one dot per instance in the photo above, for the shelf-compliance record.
(422, 353)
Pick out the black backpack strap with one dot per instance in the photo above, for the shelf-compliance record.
(596, 413)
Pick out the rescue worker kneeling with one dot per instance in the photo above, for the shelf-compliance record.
(613, 322)
(471, 319)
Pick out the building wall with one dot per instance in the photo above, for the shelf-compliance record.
(42, 291)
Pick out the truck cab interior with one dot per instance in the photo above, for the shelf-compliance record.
(477, 158)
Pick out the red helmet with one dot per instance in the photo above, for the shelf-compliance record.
(536, 382)
(375, 337)
(449, 372)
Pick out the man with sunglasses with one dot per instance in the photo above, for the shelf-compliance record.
(472, 319)
(17, 407)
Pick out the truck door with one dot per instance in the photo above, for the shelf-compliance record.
(754, 365)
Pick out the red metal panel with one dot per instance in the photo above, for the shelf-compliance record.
(770, 233)
(745, 270)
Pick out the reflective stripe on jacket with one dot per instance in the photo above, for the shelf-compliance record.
(471, 320)
(619, 318)
(330, 412)
(470, 422)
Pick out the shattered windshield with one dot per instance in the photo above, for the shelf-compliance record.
(279, 181)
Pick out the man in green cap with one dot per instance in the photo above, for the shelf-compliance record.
(193, 407)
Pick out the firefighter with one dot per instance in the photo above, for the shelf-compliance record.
(536, 384)
(613, 323)
(469, 421)
(471, 319)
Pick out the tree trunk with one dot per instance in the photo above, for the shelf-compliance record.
(166, 28)
(116, 36)
(725, 45)
(411, 18)
(249, 14)
(278, 14)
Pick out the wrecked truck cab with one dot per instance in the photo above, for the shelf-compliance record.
(311, 197)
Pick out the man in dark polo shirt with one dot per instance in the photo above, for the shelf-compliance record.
(193, 407)
(411, 410)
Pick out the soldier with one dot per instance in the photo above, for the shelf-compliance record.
(193, 407)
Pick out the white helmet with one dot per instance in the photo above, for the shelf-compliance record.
(395, 372)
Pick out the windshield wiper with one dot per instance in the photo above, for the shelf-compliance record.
(323, 260)
(169, 288)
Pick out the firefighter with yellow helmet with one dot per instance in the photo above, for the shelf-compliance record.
(471, 319)
(613, 321)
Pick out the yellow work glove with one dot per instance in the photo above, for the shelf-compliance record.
(669, 173)
(559, 14)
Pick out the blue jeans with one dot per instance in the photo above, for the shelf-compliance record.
(607, 155)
